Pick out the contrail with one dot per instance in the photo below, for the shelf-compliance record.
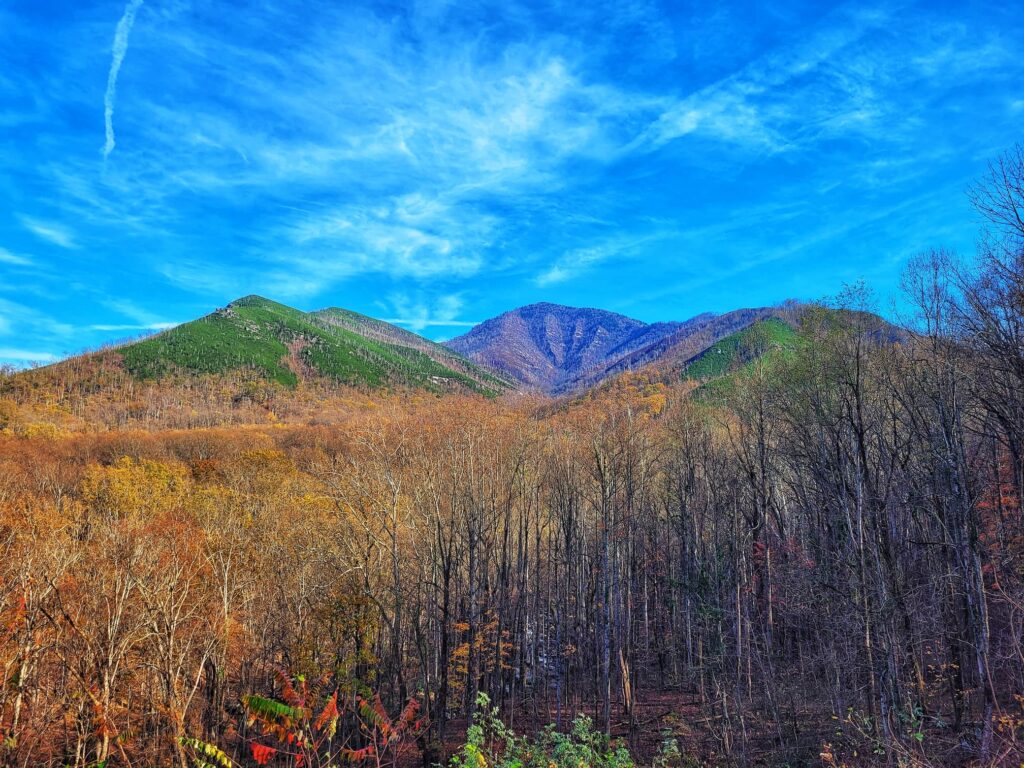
(124, 28)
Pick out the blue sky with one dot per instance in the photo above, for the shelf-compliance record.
(437, 163)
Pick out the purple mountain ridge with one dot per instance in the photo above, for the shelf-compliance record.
(556, 349)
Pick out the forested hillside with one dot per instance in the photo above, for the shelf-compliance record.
(549, 347)
(262, 341)
(557, 350)
(820, 565)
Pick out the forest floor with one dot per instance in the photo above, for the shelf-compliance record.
(706, 736)
(668, 714)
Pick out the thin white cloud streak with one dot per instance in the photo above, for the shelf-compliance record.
(49, 231)
(426, 322)
(833, 83)
(6, 257)
(574, 263)
(10, 354)
(145, 327)
(143, 318)
(745, 107)
(120, 48)
(901, 221)
(28, 322)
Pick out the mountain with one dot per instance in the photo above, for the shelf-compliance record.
(550, 347)
(557, 349)
(544, 347)
(286, 345)
(673, 350)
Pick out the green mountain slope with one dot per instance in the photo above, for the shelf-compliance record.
(739, 349)
(429, 352)
(285, 345)
(773, 341)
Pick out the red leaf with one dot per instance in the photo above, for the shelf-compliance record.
(262, 754)
(359, 755)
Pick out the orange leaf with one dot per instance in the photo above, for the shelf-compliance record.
(330, 712)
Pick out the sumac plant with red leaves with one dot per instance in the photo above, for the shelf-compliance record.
(302, 726)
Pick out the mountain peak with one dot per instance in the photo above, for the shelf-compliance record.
(255, 336)
(548, 346)
(253, 300)
(547, 307)
(556, 349)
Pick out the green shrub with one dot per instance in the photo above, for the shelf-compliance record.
(491, 744)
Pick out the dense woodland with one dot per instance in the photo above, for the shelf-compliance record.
(819, 561)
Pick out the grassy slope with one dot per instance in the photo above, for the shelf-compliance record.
(735, 352)
(254, 332)
(429, 354)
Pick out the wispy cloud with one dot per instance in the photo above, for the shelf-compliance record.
(420, 323)
(757, 105)
(6, 257)
(50, 231)
(420, 314)
(576, 262)
(26, 356)
(120, 48)
(406, 151)
(843, 77)
(129, 327)
(144, 318)
(414, 235)
(25, 321)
